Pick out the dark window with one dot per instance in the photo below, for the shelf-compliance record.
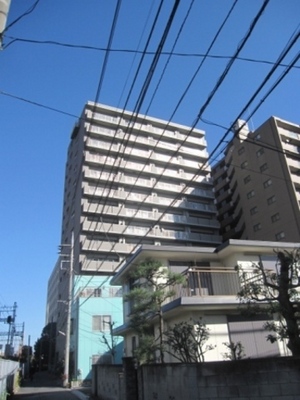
(259, 152)
(264, 167)
(241, 150)
(257, 227)
(267, 183)
(275, 217)
(247, 179)
(250, 194)
(271, 200)
(253, 210)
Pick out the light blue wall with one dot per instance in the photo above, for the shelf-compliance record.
(84, 341)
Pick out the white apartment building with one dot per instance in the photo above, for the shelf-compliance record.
(132, 179)
(129, 180)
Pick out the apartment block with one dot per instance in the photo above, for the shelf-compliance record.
(130, 180)
(257, 183)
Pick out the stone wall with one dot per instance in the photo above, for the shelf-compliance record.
(250, 379)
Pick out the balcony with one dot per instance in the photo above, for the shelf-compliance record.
(212, 288)
(208, 282)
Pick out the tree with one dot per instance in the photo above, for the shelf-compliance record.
(44, 347)
(277, 294)
(110, 341)
(152, 284)
(236, 351)
(186, 341)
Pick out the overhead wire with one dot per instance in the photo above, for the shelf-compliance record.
(141, 170)
(251, 29)
(200, 117)
(164, 53)
(214, 151)
(29, 11)
(149, 75)
(252, 25)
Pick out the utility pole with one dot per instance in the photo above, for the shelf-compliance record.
(4, 9)
(69, 310)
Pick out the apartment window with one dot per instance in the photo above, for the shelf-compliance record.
(247, 179)
(267, 183)
(264, 167)
(280, 235)
(271, 200)
(253, 210)
(257, 227)
(101, 323)
(259, 152)
(241, 150)
(244, 164)
(275, 217)
(250, 194)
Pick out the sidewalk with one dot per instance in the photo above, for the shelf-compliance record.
(45, 383)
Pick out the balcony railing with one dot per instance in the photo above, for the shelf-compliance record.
(208, 282)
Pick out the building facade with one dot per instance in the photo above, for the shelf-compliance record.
(210, 293)
(257, 183)
(130, 180)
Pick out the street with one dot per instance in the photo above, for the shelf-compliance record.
(46, 387)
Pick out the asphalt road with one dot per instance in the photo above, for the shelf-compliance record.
(45, 387)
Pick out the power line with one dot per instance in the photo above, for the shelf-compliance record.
(163, 53)
(29, 11)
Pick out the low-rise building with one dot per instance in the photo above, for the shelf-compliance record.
(210, 293)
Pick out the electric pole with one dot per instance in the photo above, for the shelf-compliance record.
(69, 310)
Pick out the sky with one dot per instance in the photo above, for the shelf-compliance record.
(53, 62)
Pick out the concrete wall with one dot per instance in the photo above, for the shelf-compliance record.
(251, 379)
(107, 382)
(265, 379)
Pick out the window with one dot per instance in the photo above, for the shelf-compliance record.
(271, 200)
(250, 194)
(253, 210)
(259, 152)
(280, 235)
(257, 227)
(247, 179)
(264, 167)
(244, 164)
(241, 150)
(101, 323)
(275, 217)
(267, 183)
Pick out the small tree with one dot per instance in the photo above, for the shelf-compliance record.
(236, 351)
(110, 341)
(187, 340)
(277, 294)
(152, 285)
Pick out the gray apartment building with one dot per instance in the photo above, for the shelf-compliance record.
(257, 183)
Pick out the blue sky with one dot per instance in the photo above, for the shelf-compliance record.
(34, 139)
